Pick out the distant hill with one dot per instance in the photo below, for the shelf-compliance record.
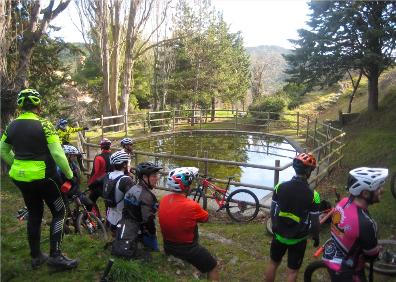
(272, 57)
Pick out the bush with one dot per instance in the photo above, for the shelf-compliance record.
(274, 104)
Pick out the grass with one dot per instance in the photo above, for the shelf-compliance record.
(242, 250)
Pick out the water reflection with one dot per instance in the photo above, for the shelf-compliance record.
(251, 149)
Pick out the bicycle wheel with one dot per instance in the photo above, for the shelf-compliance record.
(90, 224)
(268, 226)
(316, 271)
(393, 185)
(197, 195)
(242, 205)
(386, 263)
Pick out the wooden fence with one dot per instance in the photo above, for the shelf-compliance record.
(324, 141)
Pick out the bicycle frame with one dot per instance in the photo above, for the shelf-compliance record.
(217, 193)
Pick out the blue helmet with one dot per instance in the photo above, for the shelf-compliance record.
(62, 123)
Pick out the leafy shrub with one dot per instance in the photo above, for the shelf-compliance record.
(273, 103)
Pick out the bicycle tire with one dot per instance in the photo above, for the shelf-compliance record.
(312, 272)
(268, 226)
(241, 205)
(381, 265)
(197, 195)
(98, 229)
(393, 185)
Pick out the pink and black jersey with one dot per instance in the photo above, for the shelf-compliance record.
(353, 237)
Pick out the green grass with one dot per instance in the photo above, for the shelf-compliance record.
(371, 141)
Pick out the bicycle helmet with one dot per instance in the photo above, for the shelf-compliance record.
(62, 123)
(126, 141)
(146, 168)
(105, 143)
(119, 157)
(304, 163)
(70, 150)
(366, 179)
(28, 97)
(180, 179)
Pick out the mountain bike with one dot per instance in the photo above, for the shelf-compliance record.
(325, 208)
(78, 219)
(241, 205)
(83, 221)
(393, 184)
(385, 263)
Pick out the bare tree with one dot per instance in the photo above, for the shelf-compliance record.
(139, 15)
(102, 25)
(258, 71)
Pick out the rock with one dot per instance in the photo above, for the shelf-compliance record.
(178, 272)
(233, 260)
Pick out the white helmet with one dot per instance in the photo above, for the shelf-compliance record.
(119, 157)
(70, 150)
(179, 179)
(366, 179)
(126, 141)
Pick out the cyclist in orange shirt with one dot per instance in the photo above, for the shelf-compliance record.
(178, 218)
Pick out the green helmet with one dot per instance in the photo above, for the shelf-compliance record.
(28, 97)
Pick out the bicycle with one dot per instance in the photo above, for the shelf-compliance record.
(385, 264)
(393, 185)
(325, 208)
(82, 220)
(241, 205)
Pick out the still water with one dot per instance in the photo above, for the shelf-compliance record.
(251, 149)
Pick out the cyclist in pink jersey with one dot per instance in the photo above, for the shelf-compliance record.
(353, 231)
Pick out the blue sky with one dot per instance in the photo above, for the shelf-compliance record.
(262, 22)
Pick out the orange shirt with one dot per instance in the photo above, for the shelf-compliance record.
(178, 217)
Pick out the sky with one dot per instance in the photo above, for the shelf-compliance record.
(262, 22)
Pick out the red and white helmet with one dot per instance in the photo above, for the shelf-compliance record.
(180, 179)
(366, 179)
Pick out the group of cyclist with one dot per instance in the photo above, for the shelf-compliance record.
(31, 147)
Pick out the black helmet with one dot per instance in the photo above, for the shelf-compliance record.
(146, 168)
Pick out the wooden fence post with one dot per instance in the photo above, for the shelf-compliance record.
(317, 168)
(101, 125)
(88, 154)
(200, 119)
(268, 121)
(314, 137)
(236, 119)
(206, 165)
(174, 120)
(126, 124)
(298, 122)
(148, 122)
(276, 172)
(306, 139)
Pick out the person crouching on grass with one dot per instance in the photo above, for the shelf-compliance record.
(178, 218)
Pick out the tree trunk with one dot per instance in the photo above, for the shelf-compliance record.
(115, 58)
(106, 108)
(213, 112)
(355, 87)
(373, 92)
(128, 61)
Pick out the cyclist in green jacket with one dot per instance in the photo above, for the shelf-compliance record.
(64, 131)
(36, 153)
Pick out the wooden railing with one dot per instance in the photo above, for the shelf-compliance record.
(324, 141)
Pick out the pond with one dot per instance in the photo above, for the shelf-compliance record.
(251, 149)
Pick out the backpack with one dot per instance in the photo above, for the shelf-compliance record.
(125, 244)
(109, 189)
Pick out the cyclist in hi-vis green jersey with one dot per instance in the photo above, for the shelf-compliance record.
(36, 153)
